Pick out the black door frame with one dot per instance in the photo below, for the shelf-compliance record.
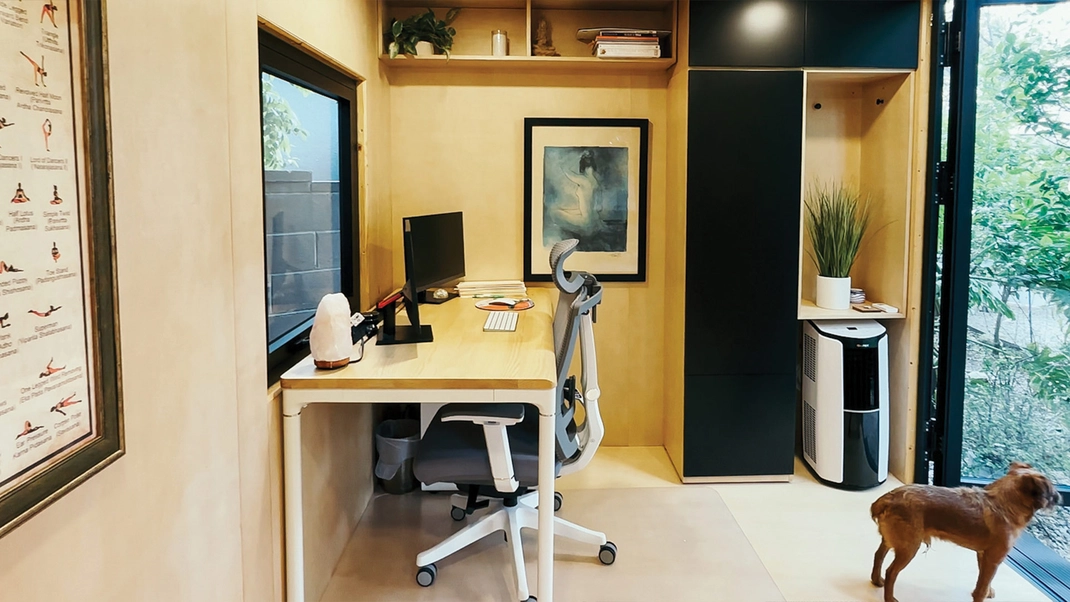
(950, 185)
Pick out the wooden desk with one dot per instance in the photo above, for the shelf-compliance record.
(463, 364)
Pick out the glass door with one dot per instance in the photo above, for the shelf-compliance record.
(1002, 302)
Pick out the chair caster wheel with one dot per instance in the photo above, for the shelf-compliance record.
(426, 575)
(607, 553)
(457, 514)
(559, 499)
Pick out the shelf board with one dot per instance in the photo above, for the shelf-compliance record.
(809, 311)
(502, 4)
(853, 76)
(636, 5)
(525, 63)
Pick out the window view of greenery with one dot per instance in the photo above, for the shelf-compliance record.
(1017, 403)
(301, 203)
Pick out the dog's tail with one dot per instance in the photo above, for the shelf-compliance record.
(878, 508)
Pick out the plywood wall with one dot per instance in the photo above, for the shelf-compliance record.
(457, 144)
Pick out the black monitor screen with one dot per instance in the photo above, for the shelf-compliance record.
(437, 246)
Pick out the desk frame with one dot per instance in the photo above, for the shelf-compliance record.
(294, 400)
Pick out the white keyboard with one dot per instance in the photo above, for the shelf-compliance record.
(500, 321)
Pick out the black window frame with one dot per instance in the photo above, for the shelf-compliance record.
(293, 64)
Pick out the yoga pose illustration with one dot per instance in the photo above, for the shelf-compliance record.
(38, 70)
(7, 267)
(45, 314)
(20, 195)
(46, 129)
(55, 197)
(63, 404)
(49, 9)
(55, 253)
(26, 430)
(4, 123)
(3, 320)
(49, 370)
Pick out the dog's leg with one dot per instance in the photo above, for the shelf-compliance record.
(987, 564)
(878, 564)
(903, 556)
(980, 567)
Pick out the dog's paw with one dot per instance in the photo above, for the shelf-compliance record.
(991, 593)
(877, 580)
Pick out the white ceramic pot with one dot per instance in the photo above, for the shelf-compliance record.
(834, 293)
(425, 49)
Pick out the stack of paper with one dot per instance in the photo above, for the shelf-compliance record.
(488, 288)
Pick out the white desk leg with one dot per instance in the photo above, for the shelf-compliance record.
(294, 513)
(547, 452)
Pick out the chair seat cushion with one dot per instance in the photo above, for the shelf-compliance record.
(456, 452)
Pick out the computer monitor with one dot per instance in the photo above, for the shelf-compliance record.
(434, 255)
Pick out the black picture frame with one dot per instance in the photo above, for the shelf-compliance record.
(570, 131)
(102, 329)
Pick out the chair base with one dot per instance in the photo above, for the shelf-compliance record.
(510, 519)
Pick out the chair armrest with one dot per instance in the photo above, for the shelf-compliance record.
(493, 417)
(506, 414)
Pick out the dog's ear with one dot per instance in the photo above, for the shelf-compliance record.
(1042, 491)
(1018, 465)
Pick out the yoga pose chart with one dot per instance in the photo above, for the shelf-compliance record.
(48, 409)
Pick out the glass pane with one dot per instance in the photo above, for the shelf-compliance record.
(301, 202)
(1017, 404)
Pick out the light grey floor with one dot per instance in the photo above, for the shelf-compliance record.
(677, 543)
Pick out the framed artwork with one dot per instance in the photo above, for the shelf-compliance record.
(586, 179)
(60, 395)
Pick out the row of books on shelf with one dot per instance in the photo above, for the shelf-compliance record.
(627, 44)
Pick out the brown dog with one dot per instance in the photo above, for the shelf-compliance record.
(987, 521)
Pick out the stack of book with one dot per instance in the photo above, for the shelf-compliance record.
(492, 288)
(627, 44)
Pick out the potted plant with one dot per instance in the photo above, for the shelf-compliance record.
(836, 221)
(422, 34)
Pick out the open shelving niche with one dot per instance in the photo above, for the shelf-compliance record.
(519, 18)
(862, 136)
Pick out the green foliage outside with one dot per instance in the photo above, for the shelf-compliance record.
(279, 122)
(1018, 384)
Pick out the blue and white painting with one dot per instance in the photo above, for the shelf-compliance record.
(585, 196)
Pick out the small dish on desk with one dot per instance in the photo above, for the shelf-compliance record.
(505, 304)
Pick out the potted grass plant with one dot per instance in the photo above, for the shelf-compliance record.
(423, 34)
(836, 220)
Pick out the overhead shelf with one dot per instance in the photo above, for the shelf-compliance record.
(529, 63)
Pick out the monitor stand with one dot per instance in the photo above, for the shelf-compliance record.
(391, 334)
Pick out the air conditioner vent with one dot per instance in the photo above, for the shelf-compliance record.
(810, 357)
(810, 432)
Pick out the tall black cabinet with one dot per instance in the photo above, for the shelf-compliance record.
(768, 81)
(744, 162)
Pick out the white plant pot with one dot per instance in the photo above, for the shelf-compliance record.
(425, 49)
(834, 293)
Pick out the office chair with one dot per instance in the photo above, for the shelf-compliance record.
(491, 450)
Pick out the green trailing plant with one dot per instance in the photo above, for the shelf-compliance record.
(423, 28)
(836, 221)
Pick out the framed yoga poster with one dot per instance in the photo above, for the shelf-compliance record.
(60, 401)
(586, 179)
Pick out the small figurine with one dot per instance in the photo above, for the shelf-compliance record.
(543, 43)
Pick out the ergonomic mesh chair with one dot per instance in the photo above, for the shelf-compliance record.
(491, 450)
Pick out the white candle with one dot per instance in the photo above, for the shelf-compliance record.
(498, 43)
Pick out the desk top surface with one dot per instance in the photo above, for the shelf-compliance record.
(462, 356)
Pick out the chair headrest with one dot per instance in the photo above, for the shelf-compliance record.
(567, 282)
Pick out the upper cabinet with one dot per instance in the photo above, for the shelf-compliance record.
(744, 33)
(816, 33)
(878, 34)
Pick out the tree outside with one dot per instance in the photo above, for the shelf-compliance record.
(1017, 403)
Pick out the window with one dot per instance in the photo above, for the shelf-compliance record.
(308, 120)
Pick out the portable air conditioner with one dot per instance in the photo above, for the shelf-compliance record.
(845, 402)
